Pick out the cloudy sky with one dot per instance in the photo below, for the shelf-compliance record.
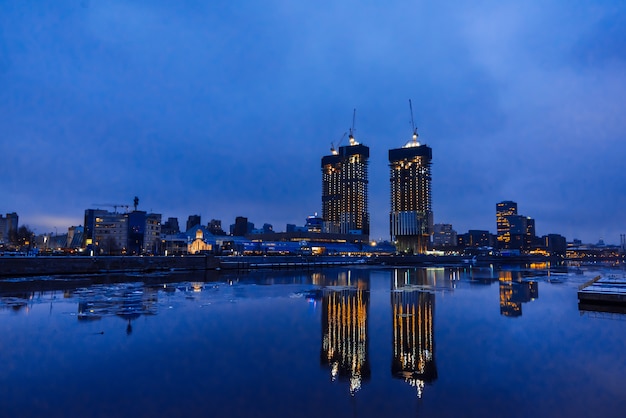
(225, 108)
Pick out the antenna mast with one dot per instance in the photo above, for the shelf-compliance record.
(413, 122)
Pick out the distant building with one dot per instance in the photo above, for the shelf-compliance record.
(294, 228)
(152, 234)
(170, 226)
(136, 232)
(215, 227)
(268, 228)
(345, 189)
(516, 233)
(241, 226)
(203, 241)
(411, 216)
(75, 237)
(444, 236)
(475, 238)
(504, 209)
(106, 232)
(530, 239)
(314, 223)
(8, 227)
(112, 233)
(555, 244)
(192, 221)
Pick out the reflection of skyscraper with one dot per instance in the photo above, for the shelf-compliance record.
(512, 295)
(411, 216)
(344, 189)
(344, 333)
(413, 336)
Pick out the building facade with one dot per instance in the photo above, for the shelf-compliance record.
(504, 209)
(444, 236)
(345, 190)
(112, 233)
(8, 227)
(411, 216)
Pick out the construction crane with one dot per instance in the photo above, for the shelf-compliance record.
(111, 205)
(413, 123)
(352, 130)
(333, 150)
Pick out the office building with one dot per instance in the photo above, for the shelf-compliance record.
(215, 227)
(241, 227)
(8, 227)
(170, 227)
(192, 221)
(112, 233)
(411, 216)
(475, 238)
(444, 236)
(344, 190)
(504, 209)
(514, 231)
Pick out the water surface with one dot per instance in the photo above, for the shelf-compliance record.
(470, 341)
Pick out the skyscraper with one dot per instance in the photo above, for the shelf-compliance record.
(344, 189)
(411, 216)
(504, 209)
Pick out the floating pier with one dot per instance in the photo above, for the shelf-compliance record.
(603, 294)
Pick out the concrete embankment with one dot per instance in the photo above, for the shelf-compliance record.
(51, 266)
(286, 262)
(38, 266)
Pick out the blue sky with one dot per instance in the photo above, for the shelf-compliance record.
(225, 108)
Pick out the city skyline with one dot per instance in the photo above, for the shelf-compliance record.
(224, 111)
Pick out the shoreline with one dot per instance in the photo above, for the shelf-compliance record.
(13, 267)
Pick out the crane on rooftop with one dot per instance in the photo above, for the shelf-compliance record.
(353, 130)
(413, 122)
(333, 150)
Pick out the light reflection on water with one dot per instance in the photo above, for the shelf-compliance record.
(469, 341)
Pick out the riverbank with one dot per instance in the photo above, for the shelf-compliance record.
(50, 266)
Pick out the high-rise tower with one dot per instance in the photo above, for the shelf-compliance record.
(344, 189)
(411, 216)
(504, 211)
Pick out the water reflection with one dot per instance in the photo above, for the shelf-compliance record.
(413, 331)
(345, 311)
(514, 292)
(378, 339)
(127, 301)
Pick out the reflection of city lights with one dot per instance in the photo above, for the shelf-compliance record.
(413, 337)
(355, 384)
(197, 287)
(344, 341)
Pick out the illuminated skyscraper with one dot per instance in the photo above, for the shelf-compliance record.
(344, 189)
(411, 216)
(503, 225)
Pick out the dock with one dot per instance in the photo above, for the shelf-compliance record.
(603, 294)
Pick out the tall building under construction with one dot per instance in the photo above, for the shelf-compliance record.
(344, 190)
(411, 216)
